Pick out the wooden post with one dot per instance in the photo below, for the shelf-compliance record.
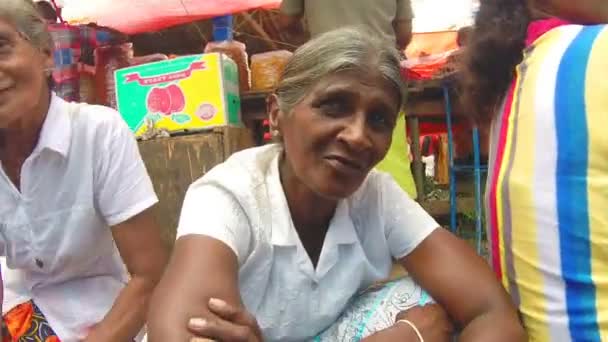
(418, 172)
(442, 165)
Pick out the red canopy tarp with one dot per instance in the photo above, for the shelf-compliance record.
(137, 16)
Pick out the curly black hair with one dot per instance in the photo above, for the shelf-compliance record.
(494, 49)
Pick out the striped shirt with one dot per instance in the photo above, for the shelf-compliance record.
(547, 194)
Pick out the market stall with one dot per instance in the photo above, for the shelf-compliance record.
(211, 100)
(186, 109)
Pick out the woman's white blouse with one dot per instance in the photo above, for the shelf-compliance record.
(241, 203)
(84, 176)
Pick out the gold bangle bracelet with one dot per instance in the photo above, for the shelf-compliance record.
(413, 326)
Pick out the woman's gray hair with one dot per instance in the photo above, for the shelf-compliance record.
(346, 49)
(28, 22)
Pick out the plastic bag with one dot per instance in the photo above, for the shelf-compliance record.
(266, 69)
(237, 51)
(66, 54)
(87, 84)
(108, 59)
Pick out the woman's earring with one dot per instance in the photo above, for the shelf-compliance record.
(276, 133)
(48, 71)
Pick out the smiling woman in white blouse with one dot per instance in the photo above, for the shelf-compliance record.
(75, 203)
(275, 242)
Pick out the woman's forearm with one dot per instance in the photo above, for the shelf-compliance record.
(169, 315)
(200, 268)
(493, 326)
(128, 314)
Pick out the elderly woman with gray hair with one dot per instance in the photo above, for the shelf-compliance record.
(276, 242)
(75, 203)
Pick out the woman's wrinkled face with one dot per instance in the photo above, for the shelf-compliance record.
(339, 131)
(22, 74)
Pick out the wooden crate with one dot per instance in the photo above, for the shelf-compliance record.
(174, 163)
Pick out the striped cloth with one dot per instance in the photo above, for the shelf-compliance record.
(66, 54)
(74, 46)
(547, 195)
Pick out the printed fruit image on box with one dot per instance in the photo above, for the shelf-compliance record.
(186, 93)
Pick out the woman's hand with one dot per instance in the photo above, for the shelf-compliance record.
(232, 324)
(455, 276)
(431, 320)
(394, 333)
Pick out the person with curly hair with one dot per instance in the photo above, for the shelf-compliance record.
(537, 70)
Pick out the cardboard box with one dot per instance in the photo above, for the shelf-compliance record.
(187, 93)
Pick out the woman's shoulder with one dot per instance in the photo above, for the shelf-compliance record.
(256, 159)
(240, 183)
(93, 120)
(243, 172)
(371, 191)
(97, 116)
(379, 192)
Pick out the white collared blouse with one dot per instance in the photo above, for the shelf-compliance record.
(242, 204)
(84, 176)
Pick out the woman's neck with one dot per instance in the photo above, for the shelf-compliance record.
(20, 137)
(307, 208)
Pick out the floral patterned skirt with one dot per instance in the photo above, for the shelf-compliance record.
(26, 323)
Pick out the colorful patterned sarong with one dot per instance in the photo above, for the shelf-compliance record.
(26, 323)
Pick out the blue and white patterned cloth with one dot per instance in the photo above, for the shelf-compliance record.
(375, 310)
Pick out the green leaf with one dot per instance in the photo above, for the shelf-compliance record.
(154, 117)
(180, 118)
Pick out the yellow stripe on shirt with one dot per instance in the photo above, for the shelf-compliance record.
(524, 230)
